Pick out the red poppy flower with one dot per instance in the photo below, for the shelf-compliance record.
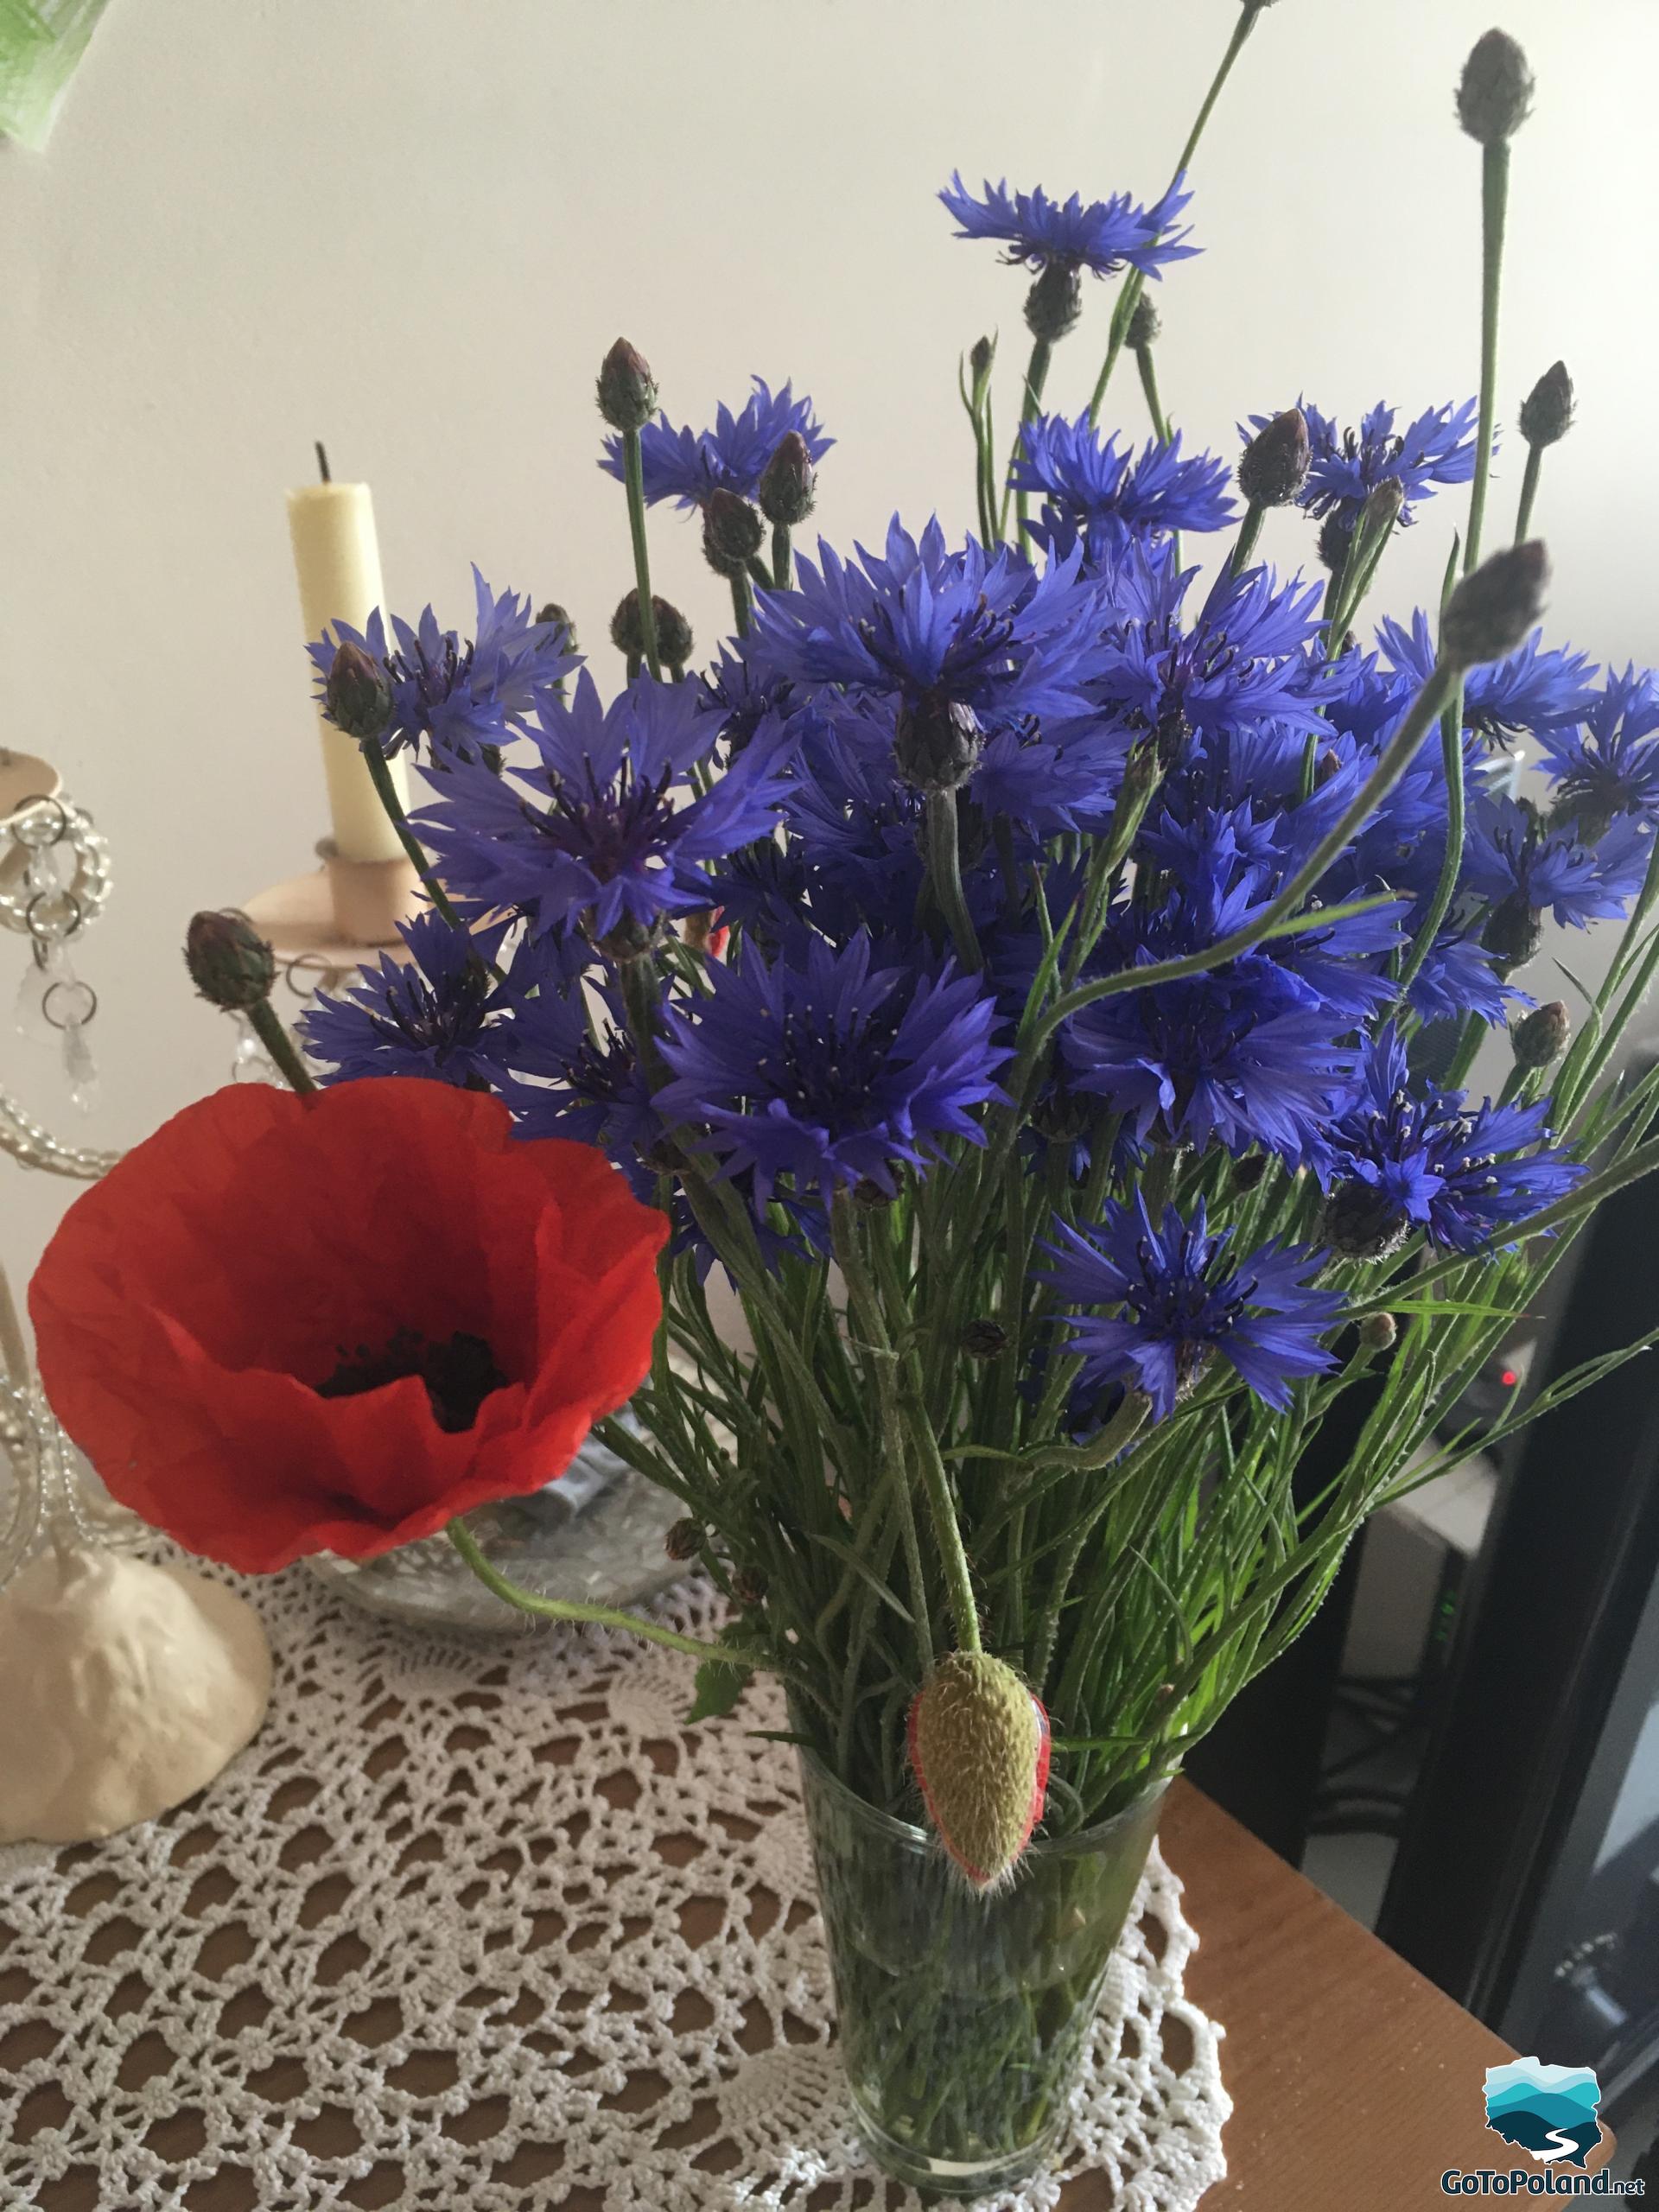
(283, 1325)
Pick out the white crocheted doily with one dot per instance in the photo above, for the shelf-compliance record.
(483, 1925)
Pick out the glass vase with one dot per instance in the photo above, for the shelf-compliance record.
(964, 2018)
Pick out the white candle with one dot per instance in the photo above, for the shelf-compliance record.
(337, 561)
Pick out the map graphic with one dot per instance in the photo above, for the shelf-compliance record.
(1549, 2111)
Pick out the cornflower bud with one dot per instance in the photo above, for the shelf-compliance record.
(1379, 1333)
(627, 390)
(1514, 931)
(1546, 411)
(1490, 612)
(554, 613)
(733, 533)
(1541, 1036)
(1276, 461)
(358, 694)
(984, 1339)
(749, 1586)
(684, 1539)
(674, 637)
(229, 962)
(789, 484)
(1495, 91)
(980, 361)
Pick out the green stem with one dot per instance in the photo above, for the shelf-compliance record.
(1494, 203)
(1451, 859)
(1134, 283)
(633, 480)
(1528, 494)
(783, 560)
(743, 602)
(1394, 760)
(269, 1028)
(1249, 531)
(944, 874)
(1149, 385)
(1042, 353)
(386, 792)
(565, 1609)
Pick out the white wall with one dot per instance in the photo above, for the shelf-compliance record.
(413, 226)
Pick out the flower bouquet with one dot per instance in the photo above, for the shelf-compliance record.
(1039, 973)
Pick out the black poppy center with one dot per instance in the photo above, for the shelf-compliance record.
(458, 1373)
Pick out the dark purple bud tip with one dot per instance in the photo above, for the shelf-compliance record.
(1495, 91)
(229, 962)
(627, 390)
(1490, 613)
(357, 696)
(1546, 411)
(789, 485)
(1054, 302)
(981, 359)
(1541, 1036)
(1276, 462)
(733, 533)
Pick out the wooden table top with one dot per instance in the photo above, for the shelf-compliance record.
(1355, 2082)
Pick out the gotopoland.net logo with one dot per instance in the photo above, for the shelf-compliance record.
(1550, 2112)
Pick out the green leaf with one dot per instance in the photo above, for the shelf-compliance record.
(862, 1568)
(720, 1685)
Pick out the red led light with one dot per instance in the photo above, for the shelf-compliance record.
(1509, 1378)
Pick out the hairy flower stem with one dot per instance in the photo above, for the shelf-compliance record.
(783, 558)
(866, 1315)
(1528, 494)
(562, 1609)
(634, 480)
(1494, 204)
(1134, 283)
(386, 792)
(268, 1027)
(743, 602)
(1249, 531)
(944, 877)
(1118, 1434)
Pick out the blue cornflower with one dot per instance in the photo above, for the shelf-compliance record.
(685, 464)
(1242, 1056)
(1523, 865)
(614, 839)
(937, 632)
(1098, 491)
(459, 698)
(1182, 1301)
(439, 1013)
(1536, 690)
(586, 1083)
(1105, 236)
(1403, 1156)
(1610, 767)
(1243, 660)
(829, 1067)
(1437, 448)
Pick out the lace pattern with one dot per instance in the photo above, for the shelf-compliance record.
(485, 1924)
